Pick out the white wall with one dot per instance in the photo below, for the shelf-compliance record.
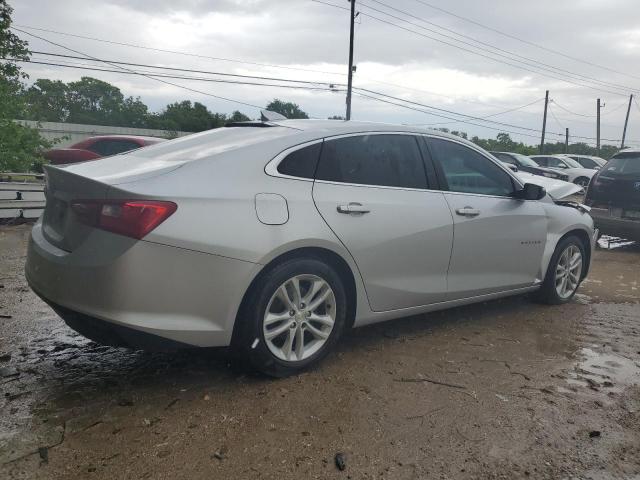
(77, 132)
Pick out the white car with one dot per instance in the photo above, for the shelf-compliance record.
(577, 173)
(557, 189)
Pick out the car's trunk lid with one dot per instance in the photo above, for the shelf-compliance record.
(59, 225)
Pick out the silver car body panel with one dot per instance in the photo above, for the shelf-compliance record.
(186, 279)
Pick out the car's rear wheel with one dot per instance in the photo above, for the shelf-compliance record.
(294, 316)
(564, 273)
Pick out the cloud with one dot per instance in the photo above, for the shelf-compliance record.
(307, 35)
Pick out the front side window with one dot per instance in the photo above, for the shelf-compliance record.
(466, 170)
(555, 162)
(384, 160)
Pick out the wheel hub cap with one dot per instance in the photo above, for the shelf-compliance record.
(299, 318)
(568, 271)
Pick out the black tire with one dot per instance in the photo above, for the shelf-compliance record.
(548, 293)
(249, 345)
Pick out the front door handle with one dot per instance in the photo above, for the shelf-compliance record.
(353, 207)
(468, 212)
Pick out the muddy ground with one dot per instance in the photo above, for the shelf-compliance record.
(505, 389)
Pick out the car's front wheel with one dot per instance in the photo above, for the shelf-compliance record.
(294, 316)
(564, 273)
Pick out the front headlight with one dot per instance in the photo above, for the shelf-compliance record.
(549, 175)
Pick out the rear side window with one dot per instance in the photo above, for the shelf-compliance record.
(466, 170)
(624, 164)
(112, 147)
(384, 160)
(302, 162)
(542, 161)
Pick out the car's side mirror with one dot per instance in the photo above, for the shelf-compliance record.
(512, 167)
(530, 192)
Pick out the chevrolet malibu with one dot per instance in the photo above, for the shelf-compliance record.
(276, 237)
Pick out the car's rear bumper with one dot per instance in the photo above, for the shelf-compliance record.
(185, 297)
(611, 225)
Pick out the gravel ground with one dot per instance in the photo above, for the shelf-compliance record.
(504, 389)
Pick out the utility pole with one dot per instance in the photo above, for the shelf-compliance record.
(626, 122)
(598, 130)
(544, 121)
(350, 77)
(566, 141)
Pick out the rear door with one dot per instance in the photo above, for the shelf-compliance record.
(372, 190)
(498, 240)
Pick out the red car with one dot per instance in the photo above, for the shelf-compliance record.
(98, 147)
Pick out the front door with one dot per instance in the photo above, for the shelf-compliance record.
(498, 240)
(372, 191)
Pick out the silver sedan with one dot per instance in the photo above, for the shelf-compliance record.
(276, 237)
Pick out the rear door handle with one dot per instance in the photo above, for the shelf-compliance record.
(468, 212)
(353, 207)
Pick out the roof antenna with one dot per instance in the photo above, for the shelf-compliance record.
(269, 116)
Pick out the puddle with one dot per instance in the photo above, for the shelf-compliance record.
(604, 371)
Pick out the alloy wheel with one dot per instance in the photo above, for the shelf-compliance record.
(568, 271)
(299, 318)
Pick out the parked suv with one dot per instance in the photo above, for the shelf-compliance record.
(577, 173)
(525, 164)
(98, 147)
(589, 161)
(614, 195)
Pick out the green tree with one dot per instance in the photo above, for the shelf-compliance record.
(189, 117)
(47, 101)
(20, 146)
(336, 117)
(238, 116)
(288, 109)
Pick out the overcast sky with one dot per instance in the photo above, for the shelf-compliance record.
(304, 35)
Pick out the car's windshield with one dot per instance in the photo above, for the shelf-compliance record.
(624, 164)
(526, 161)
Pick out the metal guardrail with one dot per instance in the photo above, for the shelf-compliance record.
(21, 199)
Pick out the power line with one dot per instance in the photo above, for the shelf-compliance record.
(190, 54)
(553, 115)
(155, 75)
(508, 35)
(527, 60)
(175, 52)
(472, 51)
(257, 77)
(471, 117)
(489, 116)
(127, 69)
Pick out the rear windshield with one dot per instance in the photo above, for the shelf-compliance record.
(211, 142)
(624, 164)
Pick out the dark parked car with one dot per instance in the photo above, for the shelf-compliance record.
(589, 161)
(614, 195)
(525, 164)
(98, 147)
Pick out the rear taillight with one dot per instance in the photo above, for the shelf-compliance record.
(132, 218)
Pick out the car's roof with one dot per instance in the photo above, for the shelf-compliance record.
(630, 150)
(340, 127)
(125, 137)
